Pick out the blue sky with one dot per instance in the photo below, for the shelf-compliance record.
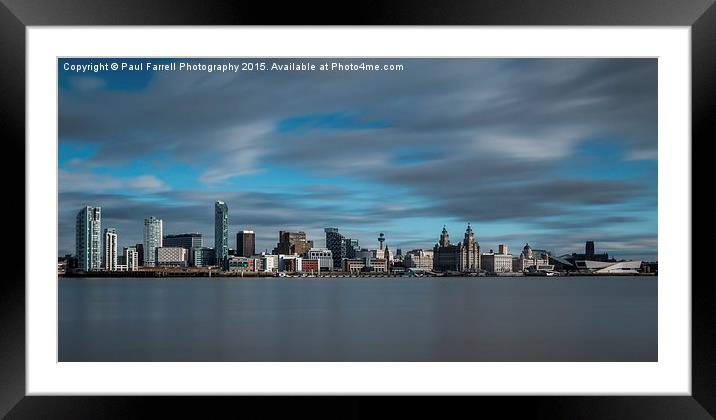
(553, 152)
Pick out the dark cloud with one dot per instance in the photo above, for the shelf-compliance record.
(453, 101)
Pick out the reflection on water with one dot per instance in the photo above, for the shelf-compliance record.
(426, 319)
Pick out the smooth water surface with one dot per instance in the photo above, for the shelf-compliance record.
(358, 319)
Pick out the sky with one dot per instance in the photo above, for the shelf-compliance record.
(550, 152)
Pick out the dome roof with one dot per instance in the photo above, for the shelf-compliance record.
(527, 246)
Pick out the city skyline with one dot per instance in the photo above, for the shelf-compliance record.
(194, 240)
(547, 151)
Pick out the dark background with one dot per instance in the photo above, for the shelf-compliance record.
(16, 14)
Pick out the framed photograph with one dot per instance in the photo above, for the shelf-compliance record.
(471, 202)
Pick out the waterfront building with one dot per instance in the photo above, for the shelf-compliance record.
(353, 265)
(61, 266)
(562, 263)
(110, 249)
(245, 243)
(184, 240)
(420, 259)
(310, 265)
(650, 267)
(202, 257)
(337, 244)
(140, 254)
(502, 249)
(368, 264)
(269, 262)
(88, 238)
(221, 232)
(531, 260)
(398, 267)
(130, 258)
(121, 267)
(153, 239)
(463, 256)
(352, 247)
(292, 243)
(71, 262)
(236, 263)
(188, 241)
(171, 256)
(290, 263)
(496, 262)
(608, 267)
(324, 257)
(378, 265)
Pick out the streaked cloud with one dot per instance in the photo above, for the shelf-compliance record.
(520, 143)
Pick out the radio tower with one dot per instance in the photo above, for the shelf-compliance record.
(381, 239)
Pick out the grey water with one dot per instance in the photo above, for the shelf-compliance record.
(482, 319)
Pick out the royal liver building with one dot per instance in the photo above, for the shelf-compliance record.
(462, 256)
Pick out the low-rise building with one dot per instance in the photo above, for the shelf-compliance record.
(353, 265)
(495, 262)
(171, 256)
(237, 263)
(420, 259)
(203, 257)
(398, 267)
(377, 265)
(269, 262)
(324, 257)
(650, 267)
(562, 263)
(290, 263)
(310, 265)
(606, 267)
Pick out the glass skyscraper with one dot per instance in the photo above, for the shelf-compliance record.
(221, 232)
(337, 244)
(352, 248)
(88, 239)
(152, 239)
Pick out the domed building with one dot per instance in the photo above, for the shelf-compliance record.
(530, 260)
(462, 256)
(527, 251)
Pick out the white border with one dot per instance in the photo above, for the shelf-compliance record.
(671, 375)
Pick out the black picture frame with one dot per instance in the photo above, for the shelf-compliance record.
(15, 15)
